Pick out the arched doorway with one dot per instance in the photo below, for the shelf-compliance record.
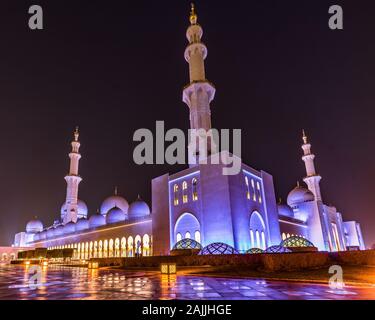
(187, 226)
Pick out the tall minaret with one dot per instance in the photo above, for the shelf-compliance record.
(312, 178)
(199, 93)
(73, 180)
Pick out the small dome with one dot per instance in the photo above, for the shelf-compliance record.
(82, 210)
(299, 195)
(97, 220)
(50, 233)
(139, 208)
(82, 224)
(59, 231)
(70, 228)
(115, 215)
(285, 210)
(34, 226)
(114, 202)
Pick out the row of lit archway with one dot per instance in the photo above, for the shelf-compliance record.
(110, 248)
(8, 257)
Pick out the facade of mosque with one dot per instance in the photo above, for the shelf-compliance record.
(198, 203)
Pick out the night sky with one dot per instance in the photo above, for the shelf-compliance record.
(113, 67)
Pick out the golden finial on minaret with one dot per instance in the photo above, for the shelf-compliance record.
(76, 134)
(193, 15)
(304, 137)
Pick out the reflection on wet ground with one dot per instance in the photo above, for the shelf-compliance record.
(61, 283)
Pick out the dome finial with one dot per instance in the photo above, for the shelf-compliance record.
(304, 137)
(193, 15)
(76, 134)
(116, 190)
(298, 185)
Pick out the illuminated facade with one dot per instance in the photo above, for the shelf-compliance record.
(237, 213)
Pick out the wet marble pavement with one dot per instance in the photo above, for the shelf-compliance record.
(62, 283)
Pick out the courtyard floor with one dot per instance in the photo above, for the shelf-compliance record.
(61, 283)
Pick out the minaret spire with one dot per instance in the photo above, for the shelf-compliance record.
(312, 179)
(72, 180)
(199, 93)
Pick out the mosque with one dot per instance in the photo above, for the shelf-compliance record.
(198, 204)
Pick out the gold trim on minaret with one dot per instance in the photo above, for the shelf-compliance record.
(193, 15)
(76, 134)
(304, 137)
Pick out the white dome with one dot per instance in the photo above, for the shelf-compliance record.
(139, 208)
(285, 210)
(114, 202)
(50, 233)
(82, 210)
(82, 224)
(69, 228)
(299, 195)
(34, 226)
(97, 220)
(115, 215)
(59, 231)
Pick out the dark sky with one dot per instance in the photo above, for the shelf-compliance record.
(113, 67)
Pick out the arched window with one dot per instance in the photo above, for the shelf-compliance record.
(175, 193)
(100, 249)
(95, 249)
(253, 187)
(123, 247)
(138, 245)
(263, 238)
(197, 236)
(130, 247)
(252, 243)
(195, 189)
(257, 237)
(146, 245)
(117, 247)
(283, 236)
(287, 235)
(184, 192)
(91, 250)
(105, 249)
(257, 224)
(86, 250)
(247, 188)
(110, 249)
(187, 235)
(178, 237)
(259, 192)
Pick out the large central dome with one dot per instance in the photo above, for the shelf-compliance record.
(114, 201)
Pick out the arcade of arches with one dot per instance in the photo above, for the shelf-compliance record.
(111, 248)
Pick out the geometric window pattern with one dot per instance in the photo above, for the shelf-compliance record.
(254, 251)
(296, 242)
(277, 249)
(187, 244)
(218, 249)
